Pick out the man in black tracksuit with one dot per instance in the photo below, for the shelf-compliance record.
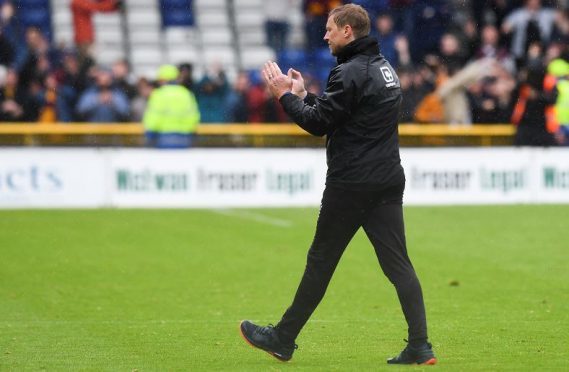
(364, 184)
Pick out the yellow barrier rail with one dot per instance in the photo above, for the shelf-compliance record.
(249, 129)
(29, 130)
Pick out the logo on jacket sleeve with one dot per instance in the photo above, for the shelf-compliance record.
(388, 76)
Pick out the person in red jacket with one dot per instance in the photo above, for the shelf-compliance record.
(82, 11)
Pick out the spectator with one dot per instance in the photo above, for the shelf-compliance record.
(9, 39)
(144, 89)
(451, 52)
(263, 107)
(449, 102)
(491, 12)
(72, 79)
(102, 103)
(12, 98)
(34, 59)
(386, 37)
(557, 115)
(54, 102)
(373, 7)
(237, 106)
(528, 24)
(186, 77)
(315, 17)
(561, 30)
(491, 97)
(276, 24)
(529, 111)
(403, 52)
(413, 90)
(211, 93)
(121, 78)
(82, 11)
(469, 37)
(457, 109)
(490, 48)
(403, 14)
(430, 21)
(172, 116)
(6, 50)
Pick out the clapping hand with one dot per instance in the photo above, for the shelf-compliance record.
(279, 83)
(298, 88)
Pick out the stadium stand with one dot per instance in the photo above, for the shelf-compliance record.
(229, 36)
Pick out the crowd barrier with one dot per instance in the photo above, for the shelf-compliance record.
(221, 178)
(411, 134)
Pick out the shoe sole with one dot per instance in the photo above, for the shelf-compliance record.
(274, 355)
(430, 362)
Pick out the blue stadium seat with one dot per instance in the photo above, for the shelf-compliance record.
(322, 62)
(255, 77)
(36, 13)
(295, 58)
(176, 13)
(32, 3)
(322, 58)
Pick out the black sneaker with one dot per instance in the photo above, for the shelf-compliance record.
(415, 355)
(267, 339)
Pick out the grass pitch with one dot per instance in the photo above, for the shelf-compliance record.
(164, 290)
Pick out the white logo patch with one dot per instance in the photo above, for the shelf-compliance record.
(388, 76)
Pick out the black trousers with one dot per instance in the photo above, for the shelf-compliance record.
(342, 213)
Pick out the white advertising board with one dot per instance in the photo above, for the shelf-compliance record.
(218, 178)
(52, 178)
(469, 176)
(552, 175)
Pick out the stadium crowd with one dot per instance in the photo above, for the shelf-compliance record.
(459, 62)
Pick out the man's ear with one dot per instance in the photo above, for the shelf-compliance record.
(347, 31)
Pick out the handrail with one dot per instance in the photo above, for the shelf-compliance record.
(494, 130)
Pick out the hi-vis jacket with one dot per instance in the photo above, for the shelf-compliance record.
(171, 109)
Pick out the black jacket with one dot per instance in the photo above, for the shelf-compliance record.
(358, 113)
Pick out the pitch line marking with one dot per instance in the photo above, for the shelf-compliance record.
(254, 216)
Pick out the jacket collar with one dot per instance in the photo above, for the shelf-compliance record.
(364, 45)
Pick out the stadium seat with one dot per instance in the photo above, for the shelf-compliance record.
(36, 13)
(143, 17)
(141, 38)
(107, 56)
(147, 55)
(105, 20)
(253, 58)
(218, 36)
(225, 56)
(212, 19)
(246, 19)
(176, 13)
(296, 58)
(179, 35)
(33, 3)
(181, 55)
(250, 3)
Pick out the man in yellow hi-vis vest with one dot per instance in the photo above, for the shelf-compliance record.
(562, 106)
(557, 113)
(172, 115)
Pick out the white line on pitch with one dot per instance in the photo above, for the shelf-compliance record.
(253, 216)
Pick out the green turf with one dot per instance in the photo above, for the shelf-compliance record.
(164, 290)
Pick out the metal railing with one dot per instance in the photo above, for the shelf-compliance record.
(426, 134)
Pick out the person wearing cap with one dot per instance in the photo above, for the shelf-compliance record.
(172, 115)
